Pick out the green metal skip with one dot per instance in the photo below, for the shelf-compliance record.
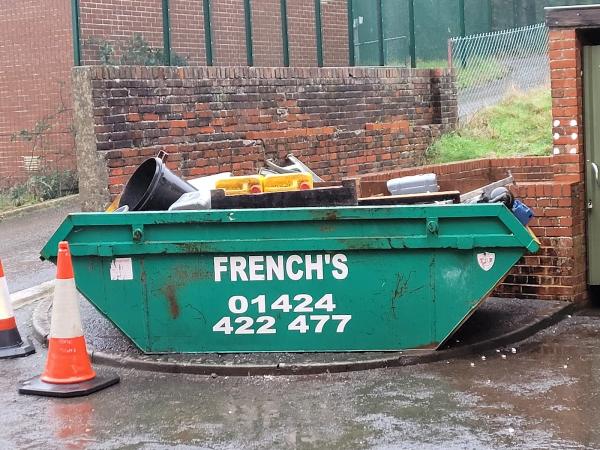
(294, 280)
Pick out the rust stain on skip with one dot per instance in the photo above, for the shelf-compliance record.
(172, 299)
(332, 215)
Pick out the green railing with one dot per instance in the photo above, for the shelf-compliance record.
(380, 32)
(416, 32)
(208, 33)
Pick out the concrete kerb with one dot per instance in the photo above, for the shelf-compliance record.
(37, 207)
(31, 295)
(41, 327)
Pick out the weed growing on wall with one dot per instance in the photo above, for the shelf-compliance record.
(135, 52)
(45, 185)
(44, 182)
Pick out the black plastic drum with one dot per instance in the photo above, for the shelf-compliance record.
(153, 187)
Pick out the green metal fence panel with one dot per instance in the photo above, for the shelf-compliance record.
(166, 32)
(380, 32)
(366, 33)
(436, 21)
(351, 56)
(248, 26)
(319, 32)
(207, 33)
(284, 33)
(76, 32)
(480, 22)
(396, 32)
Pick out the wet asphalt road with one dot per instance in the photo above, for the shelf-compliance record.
(21, 239)
(544, 396)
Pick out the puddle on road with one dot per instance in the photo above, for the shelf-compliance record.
(546, 395)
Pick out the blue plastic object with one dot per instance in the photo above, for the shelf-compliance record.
(522, 212)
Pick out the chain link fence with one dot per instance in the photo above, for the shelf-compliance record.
(489, 66)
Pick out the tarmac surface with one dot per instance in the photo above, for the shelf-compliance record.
(545, 395)
(22, 237)
(540, 393)
(497, 322)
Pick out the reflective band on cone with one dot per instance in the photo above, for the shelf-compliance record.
(11, 344)
(6, 310)
(68, 371)
(8, 324)
(67, 362)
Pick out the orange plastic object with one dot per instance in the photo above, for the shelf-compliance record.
(68, 361)
(64, 265)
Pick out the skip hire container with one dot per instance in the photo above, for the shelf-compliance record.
(305, 279)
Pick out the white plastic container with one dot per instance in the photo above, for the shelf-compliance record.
(198, 200)
(416, 184)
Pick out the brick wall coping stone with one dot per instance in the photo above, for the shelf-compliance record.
(164, 72)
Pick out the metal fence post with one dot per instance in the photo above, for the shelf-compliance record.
(76, 32)
(248, 26)
(207, 33)
(380, 40)
(411, 32)
(166, 32)
(284, 33)
(351, 60)
(319, 32)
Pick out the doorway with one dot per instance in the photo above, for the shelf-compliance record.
(591, 95)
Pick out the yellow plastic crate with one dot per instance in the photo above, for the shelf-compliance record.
(241, 185)
(287, 182)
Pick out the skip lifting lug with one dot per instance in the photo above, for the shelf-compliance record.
(137, 233)
(432, 226)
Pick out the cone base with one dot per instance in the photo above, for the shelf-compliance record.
(17, 352)
(35, 386)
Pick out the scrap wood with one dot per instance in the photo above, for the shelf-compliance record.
(338, 195)
(473, 196)
(411, 199)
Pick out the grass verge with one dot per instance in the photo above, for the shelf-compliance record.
(519, 126)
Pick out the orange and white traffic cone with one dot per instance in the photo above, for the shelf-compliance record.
(68, 371)
(11, 344)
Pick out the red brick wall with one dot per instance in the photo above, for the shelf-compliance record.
(229, 35)
(341, 122)
(569, 150)
(187, 30)
(557, 271)
(115, 22)
(36, 54)
(301, 29)
(335, 32)
(266, 33)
